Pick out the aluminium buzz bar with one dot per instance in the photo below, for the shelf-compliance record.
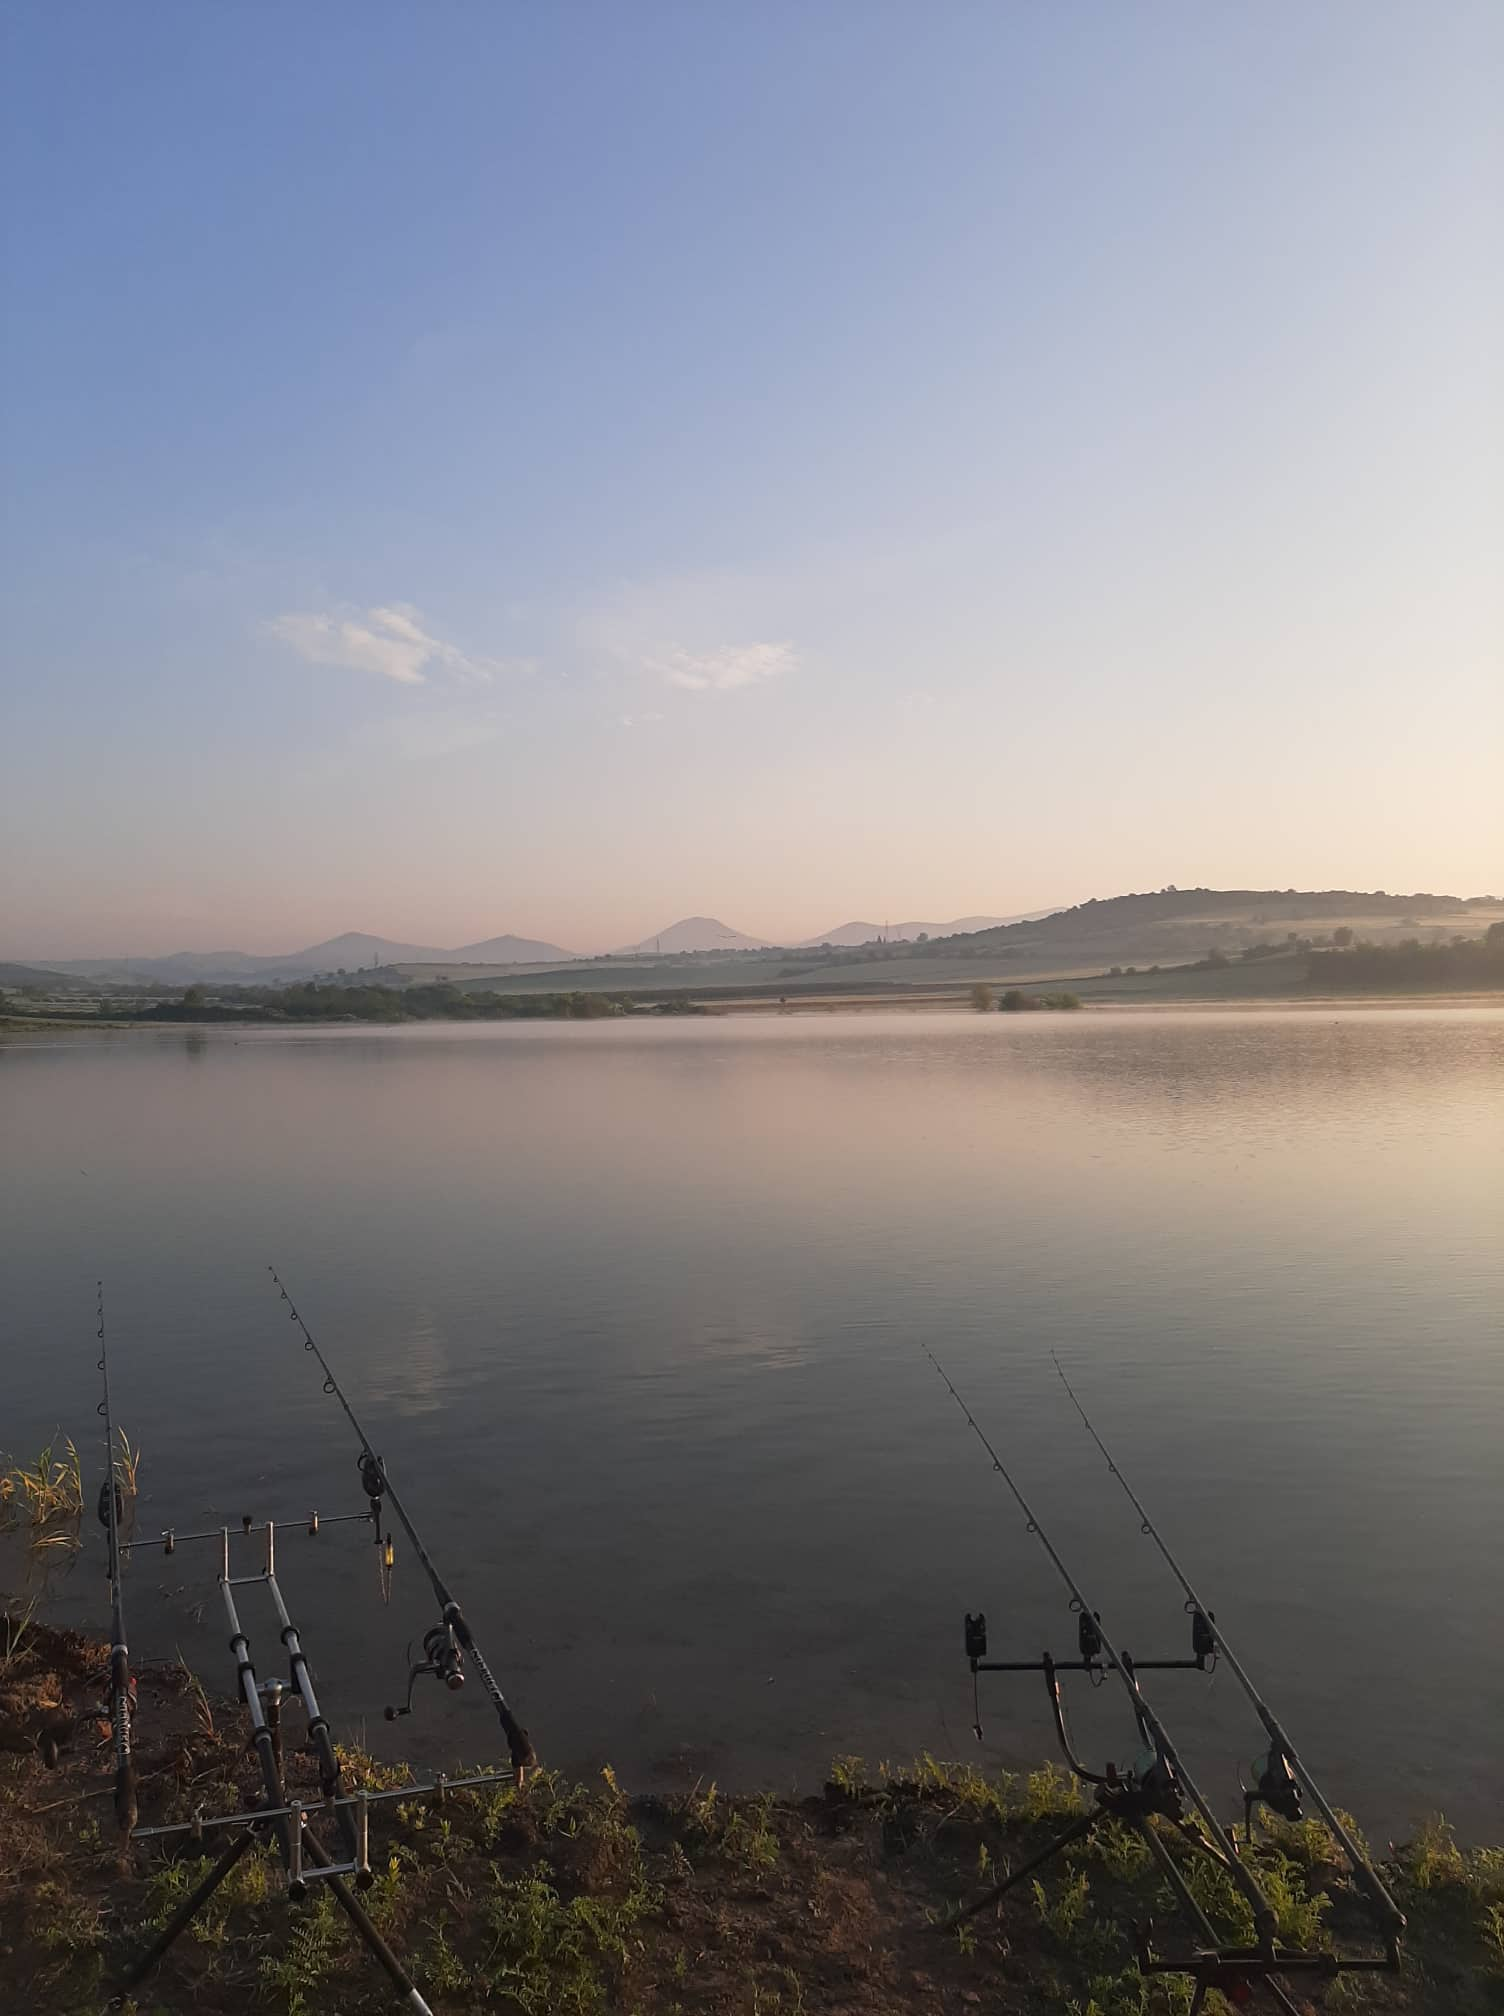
(312, 1523)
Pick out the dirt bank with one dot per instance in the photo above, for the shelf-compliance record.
(583, 1899)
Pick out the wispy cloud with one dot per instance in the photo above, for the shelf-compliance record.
(674, 629)
(389, 640)
(726, 667)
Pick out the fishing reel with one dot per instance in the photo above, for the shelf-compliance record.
(1156, 1787)
(1277, 1788)
(443, 1659)
(976, 1635)
(104, 1502)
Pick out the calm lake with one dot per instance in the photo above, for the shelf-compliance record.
(634, 1311)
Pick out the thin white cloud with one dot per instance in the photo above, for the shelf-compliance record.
(389, 640)
(726, 667)
(674, 630)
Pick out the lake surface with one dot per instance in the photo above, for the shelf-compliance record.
(634, 1313)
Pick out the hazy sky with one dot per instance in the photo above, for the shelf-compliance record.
(554, 468)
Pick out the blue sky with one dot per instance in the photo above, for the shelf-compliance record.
(483, 467)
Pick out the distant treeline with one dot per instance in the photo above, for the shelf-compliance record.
(1016, 1002)
(326, 1002)
(1455, 963)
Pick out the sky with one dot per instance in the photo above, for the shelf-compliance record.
(480, 467)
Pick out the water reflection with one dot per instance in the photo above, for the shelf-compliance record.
(634, 1312)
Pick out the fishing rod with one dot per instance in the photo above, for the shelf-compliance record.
(447, 1642)
(1168, 1767)
(122, 1688)
(1282, 1774)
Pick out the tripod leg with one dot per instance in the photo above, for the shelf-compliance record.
(1280, 1996)
(1198, 1840)
(359, 1917)
(189, 1909)
(1074, 1832)
(1176, 1881)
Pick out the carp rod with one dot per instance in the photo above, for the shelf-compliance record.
(121, 1688)
(1283, 1774)
(1168, 1762)
(446, 1643)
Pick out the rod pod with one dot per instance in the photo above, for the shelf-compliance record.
(1283, 1761)
(377, 1483)
(1152, 1729)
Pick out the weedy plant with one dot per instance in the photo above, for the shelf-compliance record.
(41, 1493)
(1051, 1793)
(301, 1970)
(203, 1712)
(971, 1792)
(127, 1463)
(749, 1838)
(1063, 1912)
(846, 1776)
(549, 1953)
(14, 1632)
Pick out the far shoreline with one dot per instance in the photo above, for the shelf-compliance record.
(808, 1005)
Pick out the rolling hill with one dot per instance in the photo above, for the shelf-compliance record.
(508, 950)
(693, 934)
(859, 933)
(352, 951)
(1160, 927)
(13, 975)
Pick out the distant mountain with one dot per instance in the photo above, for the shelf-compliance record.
(12, 975)
(858, 933)
(352, 951)
(1164, 925)
(694, 934)
(510, 951)
(175, 969)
